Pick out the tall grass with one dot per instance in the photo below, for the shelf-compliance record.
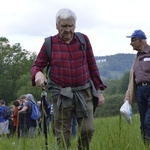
(111, 133)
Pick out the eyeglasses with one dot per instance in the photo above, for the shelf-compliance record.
(134, 40)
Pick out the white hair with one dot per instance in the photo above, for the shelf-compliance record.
(30, 97)
(65, 14)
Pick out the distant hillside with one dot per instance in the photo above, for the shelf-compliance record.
(114, 66)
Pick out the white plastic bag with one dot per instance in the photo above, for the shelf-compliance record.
(126, 112)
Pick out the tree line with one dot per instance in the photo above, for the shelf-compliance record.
(114, 66)
(15, 65)
(15, 79)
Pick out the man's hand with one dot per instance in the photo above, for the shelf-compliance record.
(101, 99)
(40, 79)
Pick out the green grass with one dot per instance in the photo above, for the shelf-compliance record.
(111, 133)
(115, 134)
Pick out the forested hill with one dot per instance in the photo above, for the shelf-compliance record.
(114, 66)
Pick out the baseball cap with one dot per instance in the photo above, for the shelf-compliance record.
(138, 34)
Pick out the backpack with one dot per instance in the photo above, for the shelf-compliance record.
(7, 112)
(35, 113)
(48, 44)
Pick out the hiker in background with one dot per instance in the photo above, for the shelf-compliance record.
(22, 119)
(15, 118)
(40, 119)
(27, 109)
(75, 84)
(139, 84)
(11, 124)
(4, 119)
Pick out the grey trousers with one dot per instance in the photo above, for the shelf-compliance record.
(63, 124)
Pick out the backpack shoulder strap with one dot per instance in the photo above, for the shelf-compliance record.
(48, 44)
(32, 102)
(81, 38)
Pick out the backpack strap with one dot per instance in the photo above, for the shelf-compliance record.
(81, 39)
(31, 102)
(48, 44)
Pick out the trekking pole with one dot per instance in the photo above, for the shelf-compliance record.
(43, 103)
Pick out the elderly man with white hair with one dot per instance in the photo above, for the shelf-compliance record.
(75, 83)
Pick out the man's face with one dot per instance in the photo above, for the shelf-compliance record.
(136, 43)
(66, 28)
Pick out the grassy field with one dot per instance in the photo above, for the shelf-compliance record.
(111, 133)
(115, 134)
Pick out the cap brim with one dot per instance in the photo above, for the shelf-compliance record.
(129, 36)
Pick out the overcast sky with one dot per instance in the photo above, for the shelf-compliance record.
(105, 22)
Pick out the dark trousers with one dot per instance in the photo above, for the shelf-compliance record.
(143, 101)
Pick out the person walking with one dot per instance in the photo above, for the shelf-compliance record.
(30, 124)
(75, 84)
(15, 119)
(4, 120)
(139, 83)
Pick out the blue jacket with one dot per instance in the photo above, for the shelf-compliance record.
(2, 119)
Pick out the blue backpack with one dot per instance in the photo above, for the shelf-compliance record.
(35, 113)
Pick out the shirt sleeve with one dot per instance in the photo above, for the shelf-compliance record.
(93, 69)
(39, 64)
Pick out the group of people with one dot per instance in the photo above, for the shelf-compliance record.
(20, 123)
(76, 86)
(75, 83)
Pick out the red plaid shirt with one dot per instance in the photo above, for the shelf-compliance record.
(70, 65)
